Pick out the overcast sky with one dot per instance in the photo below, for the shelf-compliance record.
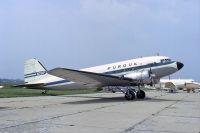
(82, 33)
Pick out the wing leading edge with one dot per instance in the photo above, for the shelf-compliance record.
(90, 78)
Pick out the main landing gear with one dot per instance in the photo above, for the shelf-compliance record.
(131, 94)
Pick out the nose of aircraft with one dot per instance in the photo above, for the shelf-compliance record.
(179, 65)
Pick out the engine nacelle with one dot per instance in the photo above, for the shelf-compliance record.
(142, 75)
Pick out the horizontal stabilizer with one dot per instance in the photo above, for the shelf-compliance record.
(30, 85)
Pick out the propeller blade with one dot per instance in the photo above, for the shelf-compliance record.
(151, 78)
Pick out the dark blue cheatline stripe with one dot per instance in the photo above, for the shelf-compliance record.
(57, 82)
(29, 74)
(137, 68)
(35, 74)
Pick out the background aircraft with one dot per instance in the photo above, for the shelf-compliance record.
(178, 84)
(134, 72)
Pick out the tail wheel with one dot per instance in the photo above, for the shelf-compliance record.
(44, 92)
(130, 95)
(140, 94)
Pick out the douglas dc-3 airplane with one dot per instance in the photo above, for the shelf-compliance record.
(126, 74)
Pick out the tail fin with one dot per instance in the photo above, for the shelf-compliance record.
(33, 71)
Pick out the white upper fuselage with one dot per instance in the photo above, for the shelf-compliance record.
(133, 63)
(160, 66)
(155, 63)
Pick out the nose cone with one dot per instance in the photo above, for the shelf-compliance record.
(179, 65)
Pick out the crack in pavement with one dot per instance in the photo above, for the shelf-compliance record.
(159, 131)
(181, 116)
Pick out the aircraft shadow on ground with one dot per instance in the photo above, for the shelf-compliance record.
(114, 100)
(2, 108)
(98, 100)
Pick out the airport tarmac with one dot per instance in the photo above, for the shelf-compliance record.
(160, 112)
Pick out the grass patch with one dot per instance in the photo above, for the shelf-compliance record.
(9, 91)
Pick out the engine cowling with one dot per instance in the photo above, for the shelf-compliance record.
(142, 75)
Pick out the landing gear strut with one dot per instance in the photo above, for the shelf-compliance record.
(140, 93)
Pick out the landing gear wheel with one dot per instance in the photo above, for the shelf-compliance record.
(140, 94)
(113, 91)
(130, 95)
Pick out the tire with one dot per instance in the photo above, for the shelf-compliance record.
(141, 94)
(113, 91)
(130, 95)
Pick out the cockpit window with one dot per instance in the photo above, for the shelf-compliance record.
(165, 60)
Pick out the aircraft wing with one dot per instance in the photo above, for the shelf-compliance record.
(90, 78)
